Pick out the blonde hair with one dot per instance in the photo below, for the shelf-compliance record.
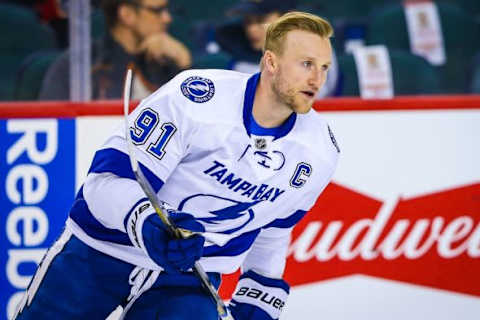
(295, 20)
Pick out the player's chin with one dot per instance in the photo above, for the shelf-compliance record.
(303, 106)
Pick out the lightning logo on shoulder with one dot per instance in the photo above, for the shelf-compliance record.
(198, 89)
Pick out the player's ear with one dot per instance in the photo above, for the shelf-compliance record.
(270, 62)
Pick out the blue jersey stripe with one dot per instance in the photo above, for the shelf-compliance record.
(118, 163)
(234, 247)
(268, 282)
(287, 222)
(249, 122)
(85, 219)
(251, 310)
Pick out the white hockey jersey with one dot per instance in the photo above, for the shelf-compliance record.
(204, 154)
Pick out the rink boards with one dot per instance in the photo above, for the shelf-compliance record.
(396, 235)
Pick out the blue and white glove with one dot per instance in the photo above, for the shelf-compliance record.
(258, 298)
(148, 232)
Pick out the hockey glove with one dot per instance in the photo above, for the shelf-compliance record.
(258, 298)
(174, 255)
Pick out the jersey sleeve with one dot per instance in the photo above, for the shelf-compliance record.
(160, 131)
(268, 253)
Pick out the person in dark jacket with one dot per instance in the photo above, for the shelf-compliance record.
(137, 38)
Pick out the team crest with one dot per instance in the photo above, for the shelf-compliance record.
(274, 160)
(198, 89)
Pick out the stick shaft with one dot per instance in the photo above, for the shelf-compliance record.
(152, 197)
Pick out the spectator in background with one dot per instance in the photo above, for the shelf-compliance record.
(137, 37)
(244, 38)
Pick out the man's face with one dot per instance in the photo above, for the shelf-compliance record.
(301, 69)
(152, 17)
(255, 28)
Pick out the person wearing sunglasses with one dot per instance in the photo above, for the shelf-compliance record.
(137, 37)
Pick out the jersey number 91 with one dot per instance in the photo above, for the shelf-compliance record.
(143, 128)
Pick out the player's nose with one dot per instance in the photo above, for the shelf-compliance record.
(315, 80)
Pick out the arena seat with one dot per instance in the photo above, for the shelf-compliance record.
(22, 34)
(475, 78)
(470, 6)
(187, 14)
(98, 24)
(411, 74)
(31, 73)
(348, 10)
(460, 33)
(218, 60)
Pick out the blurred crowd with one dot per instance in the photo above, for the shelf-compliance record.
(383, 48)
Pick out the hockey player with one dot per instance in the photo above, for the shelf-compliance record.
(238, 159)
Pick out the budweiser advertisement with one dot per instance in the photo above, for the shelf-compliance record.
(396, 234)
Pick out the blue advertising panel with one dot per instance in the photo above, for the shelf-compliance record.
(37, 173)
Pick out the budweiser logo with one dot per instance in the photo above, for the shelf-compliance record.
(422, 236)
(431, 240)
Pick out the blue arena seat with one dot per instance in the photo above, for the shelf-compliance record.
(475, 79)
(31, 73)
(411, 74)
(22, 34)
(187, 15)
(460, 33)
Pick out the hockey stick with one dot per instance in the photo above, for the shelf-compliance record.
(152, 197)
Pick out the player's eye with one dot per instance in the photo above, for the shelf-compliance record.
(325, 67)
(307, 64)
